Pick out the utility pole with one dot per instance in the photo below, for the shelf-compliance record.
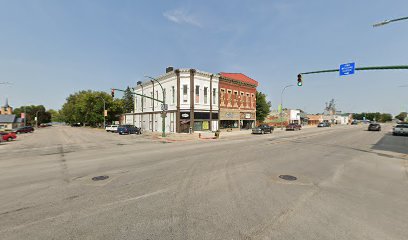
(139, 83)
(104, 109)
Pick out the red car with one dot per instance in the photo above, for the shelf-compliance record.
(8, 136)
(293, 127)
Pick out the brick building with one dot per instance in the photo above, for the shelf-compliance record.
(237, 101)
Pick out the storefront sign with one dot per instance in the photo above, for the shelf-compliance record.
(229, 115)
(185, 115)
(247, 115)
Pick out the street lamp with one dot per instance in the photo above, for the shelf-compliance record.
(389, 21)
(104, 109)
(139, 83)
(163, 108)
(283, 90)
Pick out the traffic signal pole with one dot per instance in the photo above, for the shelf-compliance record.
(362, 69)
(154, 99)
(164, 107)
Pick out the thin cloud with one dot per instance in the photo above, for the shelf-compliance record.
(180, 16)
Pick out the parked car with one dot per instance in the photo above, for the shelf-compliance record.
(112, 128)
(43, 125)
(8, 136)
(324, 124)
(76, 124)
(374, 127)
(128, 129)
(293, 127)
(400, 129)
(261, 129)
(26, 129)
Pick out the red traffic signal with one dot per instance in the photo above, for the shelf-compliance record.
(113, 92)
(299, 80)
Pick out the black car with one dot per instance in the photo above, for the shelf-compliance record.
(26, 129)
(263, 128)
(324, 124)
(128, 129)
(374, 127)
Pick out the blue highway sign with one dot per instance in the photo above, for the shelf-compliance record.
(347, 69)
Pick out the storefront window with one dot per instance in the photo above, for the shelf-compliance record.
(198, 126)
(197, 94)
(214, 96)
(228, 124)
(185, 97)
(173, 95)
(205, 95)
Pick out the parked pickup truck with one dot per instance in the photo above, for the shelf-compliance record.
(112, 128)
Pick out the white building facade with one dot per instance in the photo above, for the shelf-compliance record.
(294, 116)
(191, 97)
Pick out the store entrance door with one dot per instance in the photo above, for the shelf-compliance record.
(185, 126)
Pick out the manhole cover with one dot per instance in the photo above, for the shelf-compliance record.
(288, 177)
(99, 178)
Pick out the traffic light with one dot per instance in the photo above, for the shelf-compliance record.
(300, 82)
(113, 93)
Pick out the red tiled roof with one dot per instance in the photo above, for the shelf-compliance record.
(240, 77)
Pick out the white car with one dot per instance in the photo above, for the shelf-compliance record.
(400, 129)
(112, 128)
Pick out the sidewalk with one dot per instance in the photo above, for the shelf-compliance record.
(196, 136)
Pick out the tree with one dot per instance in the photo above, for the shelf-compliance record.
(56, 116)
(379, 117)
(402, 116)
(128, 101)
(33, 111)
(86, 107)
(262, 106)
(385, 117)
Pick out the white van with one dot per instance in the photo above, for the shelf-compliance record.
(112, 128)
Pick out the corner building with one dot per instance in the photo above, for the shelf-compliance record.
(192, 99)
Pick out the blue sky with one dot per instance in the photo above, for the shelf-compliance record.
(52, 48)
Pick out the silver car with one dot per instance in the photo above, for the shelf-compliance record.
(400, 129)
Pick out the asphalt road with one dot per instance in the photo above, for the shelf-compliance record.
(351, 184)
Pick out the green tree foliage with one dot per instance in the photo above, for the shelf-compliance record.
(262, 106)
(402, 116)
(379, 117)
(86, 107)
(128, 100)
(56, 116)
(31, 112)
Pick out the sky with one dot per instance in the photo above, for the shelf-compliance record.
(50, 49)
